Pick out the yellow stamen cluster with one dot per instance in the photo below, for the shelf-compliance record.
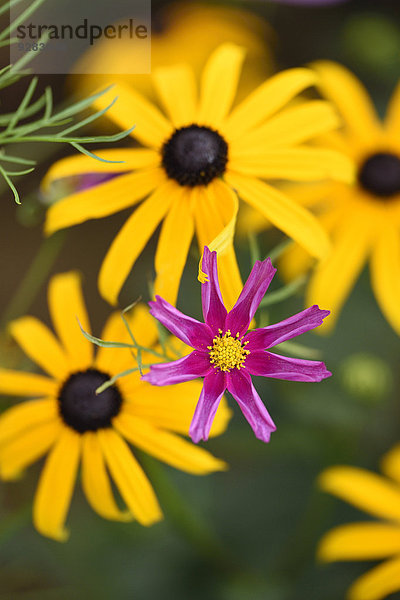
(227, 352)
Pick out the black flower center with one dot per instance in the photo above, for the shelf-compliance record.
(380, 174)
(194, 155)
(84, 410)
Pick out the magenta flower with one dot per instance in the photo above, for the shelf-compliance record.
(226, 354)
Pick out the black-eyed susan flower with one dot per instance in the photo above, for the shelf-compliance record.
(73, 425)
(371, 540)
(226, 354)
(363, 218)
(196, 156)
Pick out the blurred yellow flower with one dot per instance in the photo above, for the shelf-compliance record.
(196, 159)
(370, 540)
(188, 30)
(72, 424)
(363, 218)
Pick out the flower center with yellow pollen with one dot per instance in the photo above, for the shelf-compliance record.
(228, 352)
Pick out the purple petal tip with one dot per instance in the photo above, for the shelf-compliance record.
(196, 437)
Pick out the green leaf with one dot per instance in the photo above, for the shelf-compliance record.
(10, 4)
(25, 172)
(103, 343)
(48, 96)
(89, 119)
(79, 106)
(21, 18)
(11, 185)
(29, 111)
(111, 381)
(24, 103)
(16, 159)
(137, 347)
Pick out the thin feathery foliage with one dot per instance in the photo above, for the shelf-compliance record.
(136, 348)
(32, 119)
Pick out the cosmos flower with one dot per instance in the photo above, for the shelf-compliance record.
(73, 425)
(226, 354)
(195, 159)
(371, 540)
(363, 218)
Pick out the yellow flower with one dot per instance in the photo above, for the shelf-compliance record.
(72, 424)
(363, 218)
(195, 158)
(184, 29)
(369, 540)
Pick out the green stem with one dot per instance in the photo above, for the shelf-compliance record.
(254, 249)
(34, 278)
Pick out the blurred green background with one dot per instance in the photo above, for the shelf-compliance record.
(249, 533)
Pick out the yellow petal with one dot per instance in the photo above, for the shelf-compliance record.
(293, 219)
(56, 485)
(168, 447)
(129, 477)
(176, 86)
(229, 277)
(25, 449)
(392, 120)
(348, 94)
(26, 415)
(131, 240)
(67, 309)
(144, 329)
(80, 164)
(291, 126)
(266, 100)
(328, 194)
(102, 200)
(18, 383)
(219, 83)
(96, 482)
(295, 164)
(40, 345)
(360, 541)
(131, 108)
(295, 261)
(390, 463)
(385, 272)
(172, 406)
(215, 210)
(367, 491)
(377, 583)
(334, 277)
(173, 247)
